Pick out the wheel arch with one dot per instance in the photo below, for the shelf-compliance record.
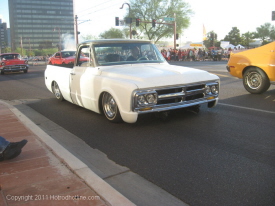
(123, 99)
(252, 66)
(111, 92)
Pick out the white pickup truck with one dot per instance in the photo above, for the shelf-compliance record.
(126, 78)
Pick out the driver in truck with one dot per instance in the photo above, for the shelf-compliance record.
(135, 54)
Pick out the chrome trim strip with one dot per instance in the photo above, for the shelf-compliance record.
(171, 95)
(195, 91)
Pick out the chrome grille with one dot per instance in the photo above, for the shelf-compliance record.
(180, 94)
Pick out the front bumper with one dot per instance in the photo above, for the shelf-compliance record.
(228, 68)
(181, 96)
(14, 68)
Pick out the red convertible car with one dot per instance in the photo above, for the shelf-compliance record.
(12, 62)
(64, 57)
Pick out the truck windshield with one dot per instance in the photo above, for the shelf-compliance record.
(127, 53)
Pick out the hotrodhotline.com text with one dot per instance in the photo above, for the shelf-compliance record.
(50, 197)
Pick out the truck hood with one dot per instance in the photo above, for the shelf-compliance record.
(155, 75)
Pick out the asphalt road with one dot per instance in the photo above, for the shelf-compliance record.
(221, 156)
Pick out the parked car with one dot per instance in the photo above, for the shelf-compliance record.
(255, 66)
(12, 62)
(64, 57)
(126, 78)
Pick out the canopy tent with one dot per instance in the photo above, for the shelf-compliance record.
(240, 46)
(230, 46)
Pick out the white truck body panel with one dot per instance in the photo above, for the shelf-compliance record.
(85, 85)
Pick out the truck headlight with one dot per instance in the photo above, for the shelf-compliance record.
(151, 98)
(207, 89)
(145, 98)
(212, 89)
(141, 100)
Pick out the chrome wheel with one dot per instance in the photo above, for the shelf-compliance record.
(253, 80)
(57, 92)
(110, 108)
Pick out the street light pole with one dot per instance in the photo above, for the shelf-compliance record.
(76, 30)
(175, 32)
(129, 15)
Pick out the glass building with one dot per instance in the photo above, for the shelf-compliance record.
(40, 24)
(4, 40)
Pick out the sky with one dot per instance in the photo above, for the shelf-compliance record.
(215, 15)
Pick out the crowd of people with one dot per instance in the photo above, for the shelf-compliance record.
(196, 54)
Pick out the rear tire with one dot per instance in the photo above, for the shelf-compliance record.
(255, 81)
(110, 108)
(57, 92)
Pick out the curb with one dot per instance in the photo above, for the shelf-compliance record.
(103, 189)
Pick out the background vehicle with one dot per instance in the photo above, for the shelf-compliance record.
(126, 78)
(64, 57)
(12, 62)
(255, 66)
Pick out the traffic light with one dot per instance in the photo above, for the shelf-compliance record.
(177, 36)
(117, 21)
(153, 23)
(273, 16)
(137, 22)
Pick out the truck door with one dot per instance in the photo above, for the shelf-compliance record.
(78, 79)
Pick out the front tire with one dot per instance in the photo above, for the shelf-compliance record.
(255, 81)
(110, 108)
(57, 92)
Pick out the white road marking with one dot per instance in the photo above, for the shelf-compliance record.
(248, 108)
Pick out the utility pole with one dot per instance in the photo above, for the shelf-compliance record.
(76, 30)
(175, 32)
(21, 44)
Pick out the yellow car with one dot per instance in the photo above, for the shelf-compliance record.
(255, 66)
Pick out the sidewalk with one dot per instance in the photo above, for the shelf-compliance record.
(45, 173)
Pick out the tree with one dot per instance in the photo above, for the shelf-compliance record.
(6, 50)
(20, 51)
(265, 32)
(211, 39)
(234, 36)
(272, 35)
(247, 38)
(112, 33)
(87, 37)
(147, 10)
